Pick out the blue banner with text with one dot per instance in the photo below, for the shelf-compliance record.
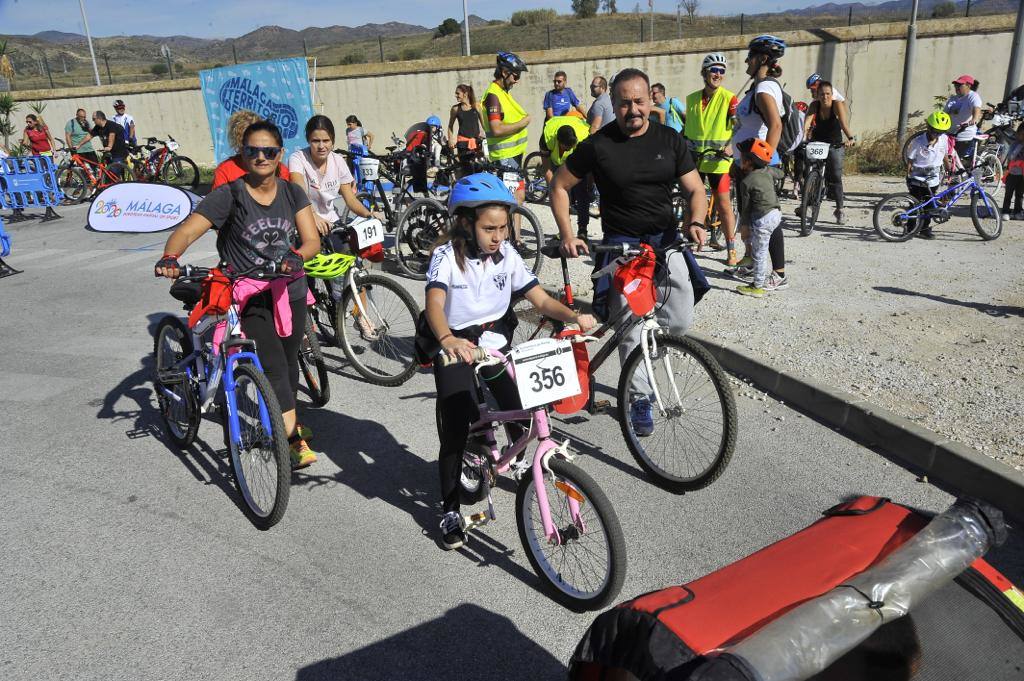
(278, 90)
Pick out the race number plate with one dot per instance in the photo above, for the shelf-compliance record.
(369, 231)
(545, 371)
(511, 181)
(172, 146)
(817, 151)
(370, 168)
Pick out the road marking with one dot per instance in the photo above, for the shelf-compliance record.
(16, 256)
(32, 387)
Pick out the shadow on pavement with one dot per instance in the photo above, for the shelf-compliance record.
(467, 642)
(988, 308)
(374, 464)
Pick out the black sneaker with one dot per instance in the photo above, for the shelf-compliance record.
(452, 536)
(926, 234)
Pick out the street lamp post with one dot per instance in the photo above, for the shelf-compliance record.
(88, 37)
(465, 28)
(908, 70)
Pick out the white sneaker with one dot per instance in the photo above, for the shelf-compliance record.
(776, 282)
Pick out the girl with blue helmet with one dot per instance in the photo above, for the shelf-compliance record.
(474, 276)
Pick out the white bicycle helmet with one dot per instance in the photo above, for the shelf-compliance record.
(714, 59)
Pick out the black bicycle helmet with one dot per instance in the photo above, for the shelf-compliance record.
(769, 45)
(512, 62)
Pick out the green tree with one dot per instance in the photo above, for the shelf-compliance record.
(7, 108)
(584, 9)
(158, 69)
(448, 27)
(943, 10)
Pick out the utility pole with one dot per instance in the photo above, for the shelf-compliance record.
(679, 19)
(46, 62)
(465, 29)
(1016, 53)
(106, 61)
(166, 51)
(88, 37)
(650, 3)
(380, 44)
(908, 70)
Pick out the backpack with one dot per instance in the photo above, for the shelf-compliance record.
(792, 132)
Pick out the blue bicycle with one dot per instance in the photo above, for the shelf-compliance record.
(189, 370)
(899, 217)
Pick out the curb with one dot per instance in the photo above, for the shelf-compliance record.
(956, 466)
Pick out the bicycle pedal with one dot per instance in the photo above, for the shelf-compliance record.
(600, 406)
(474, 520)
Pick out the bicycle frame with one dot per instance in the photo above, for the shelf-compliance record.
(540, 429)
(968, 185)
(101, 170)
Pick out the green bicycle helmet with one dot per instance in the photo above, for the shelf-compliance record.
(939, 121)
(329, 265)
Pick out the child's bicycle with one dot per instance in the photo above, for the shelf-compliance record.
(897, 217)
(691, 439)
(567, 525)
(190, 365)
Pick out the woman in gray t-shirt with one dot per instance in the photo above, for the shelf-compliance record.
(261, 219)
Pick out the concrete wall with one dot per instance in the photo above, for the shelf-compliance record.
(865, 63)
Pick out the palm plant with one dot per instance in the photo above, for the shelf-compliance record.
(7, 107)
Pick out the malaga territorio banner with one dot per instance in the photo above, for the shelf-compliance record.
(277, 90)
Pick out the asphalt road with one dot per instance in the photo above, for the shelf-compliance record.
(125, 559)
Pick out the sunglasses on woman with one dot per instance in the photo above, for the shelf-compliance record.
(268, 152)
(717, 70)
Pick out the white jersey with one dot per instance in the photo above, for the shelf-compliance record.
(926, 159)
(322, 190)
(483, 291)
(125, 121)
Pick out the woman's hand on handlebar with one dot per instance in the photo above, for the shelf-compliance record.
(322, 225)
(459, 348)
(167, 266)
(574, 247)
(291, 262)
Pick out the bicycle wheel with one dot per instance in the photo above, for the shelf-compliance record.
(531, 323)
(178, 404)
(810, 203)
(421, 225)
(313, 366)
(533, 172)
(180, 171)
(989, 173)
(595, 203)
(531, 238)
(75, 184)
(985, 215)
(381, 346)
(583, 568)
(691, 430)
(260, 458)
(891, 221)
(323, 311)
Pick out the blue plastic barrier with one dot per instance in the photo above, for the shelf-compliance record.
(5, 250)
(29, 182)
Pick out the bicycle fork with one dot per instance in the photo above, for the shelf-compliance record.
(649, 345)
(541, 466)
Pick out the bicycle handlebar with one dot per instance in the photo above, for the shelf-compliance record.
(479, 355)
(634, 250)
(195, 273)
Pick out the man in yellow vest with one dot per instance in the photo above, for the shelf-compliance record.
(506, 121)
(710, 113)
(561, 135)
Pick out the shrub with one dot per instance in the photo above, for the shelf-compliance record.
(882, 155)
(533, 17)
(158, 69)
(448, 27)
(410, 53)
(943, 9)
(584, 9)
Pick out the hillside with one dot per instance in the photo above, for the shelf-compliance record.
(63, 58)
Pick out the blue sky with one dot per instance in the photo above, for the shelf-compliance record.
(231, 18)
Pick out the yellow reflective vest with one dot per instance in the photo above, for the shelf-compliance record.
(507, 146)
(709, 127)
(551, 128)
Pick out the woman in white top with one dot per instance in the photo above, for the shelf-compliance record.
(324, 175)
(964, 108)
(760, 115)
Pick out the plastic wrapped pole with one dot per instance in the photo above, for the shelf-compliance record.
(812, 636)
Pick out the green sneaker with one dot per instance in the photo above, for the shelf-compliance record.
(302, 455)
(751, 290)
(305, 432)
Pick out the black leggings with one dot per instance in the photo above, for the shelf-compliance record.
(921, 193)
(279, 356)
(456, 412)
(1014, 190)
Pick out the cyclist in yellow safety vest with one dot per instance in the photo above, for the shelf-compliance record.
(505, 123)
(561, 135)
(708, 128)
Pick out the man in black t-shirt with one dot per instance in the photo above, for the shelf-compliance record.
(111, 136)
(636, 163)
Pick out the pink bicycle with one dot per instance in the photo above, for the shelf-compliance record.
(567, 525)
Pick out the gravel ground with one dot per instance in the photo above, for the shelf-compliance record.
(929, 329)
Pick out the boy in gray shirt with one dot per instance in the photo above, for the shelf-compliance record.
(759, 211)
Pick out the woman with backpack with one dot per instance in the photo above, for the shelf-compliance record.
(762, 114)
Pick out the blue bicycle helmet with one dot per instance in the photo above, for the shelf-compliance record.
(769, 45)
(479, 189)
(435, 121)
(812, 79)
(512, 62)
